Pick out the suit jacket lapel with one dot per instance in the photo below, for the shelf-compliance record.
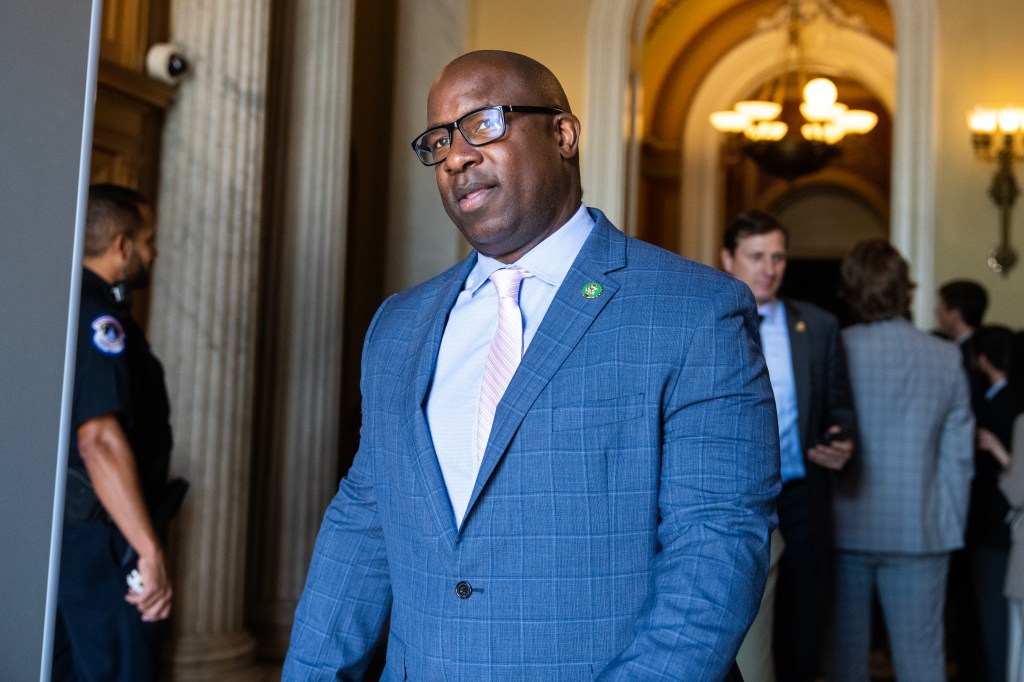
(564, 324)
(799, 348)
(427, 338)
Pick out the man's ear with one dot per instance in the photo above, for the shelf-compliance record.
(726, 260)
(567, 127)
(122, 246)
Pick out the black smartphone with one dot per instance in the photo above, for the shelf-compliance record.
(830, 436)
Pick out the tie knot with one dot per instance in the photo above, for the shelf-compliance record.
(507, 280)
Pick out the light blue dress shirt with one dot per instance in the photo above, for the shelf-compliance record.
(994, 389)
(455, 388)
(779, 358)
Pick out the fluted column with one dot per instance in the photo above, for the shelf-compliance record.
(203, 322)
(296, 454)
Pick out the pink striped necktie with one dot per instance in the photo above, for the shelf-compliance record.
(504, 354)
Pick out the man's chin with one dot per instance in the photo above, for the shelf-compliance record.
(481, 236)
(139, 281)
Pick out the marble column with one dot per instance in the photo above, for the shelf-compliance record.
(296, 454)
(203, 319)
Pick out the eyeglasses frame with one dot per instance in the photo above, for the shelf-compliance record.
(457, 124)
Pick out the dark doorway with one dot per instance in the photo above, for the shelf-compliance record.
(815, 280)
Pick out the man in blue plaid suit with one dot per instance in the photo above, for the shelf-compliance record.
(615, 523)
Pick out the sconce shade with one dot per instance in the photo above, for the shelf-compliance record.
(1009, 120)
(983, 120)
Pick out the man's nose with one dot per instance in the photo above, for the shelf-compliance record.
(461, 154)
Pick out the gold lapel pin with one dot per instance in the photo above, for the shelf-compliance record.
(801, 326)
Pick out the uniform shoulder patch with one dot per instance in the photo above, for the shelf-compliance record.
(108, 335)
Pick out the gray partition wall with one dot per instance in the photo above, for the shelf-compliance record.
(47, 84)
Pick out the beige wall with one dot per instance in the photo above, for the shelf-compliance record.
(981, 61)
(553, 33)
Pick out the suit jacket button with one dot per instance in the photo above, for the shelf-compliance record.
(463, 589)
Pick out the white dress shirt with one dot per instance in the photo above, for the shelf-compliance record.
(455, 388)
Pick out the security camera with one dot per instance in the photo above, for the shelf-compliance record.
(165, 61)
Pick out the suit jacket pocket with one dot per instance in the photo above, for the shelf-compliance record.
(589, 413)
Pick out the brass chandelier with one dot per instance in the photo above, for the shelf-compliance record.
(771, 143)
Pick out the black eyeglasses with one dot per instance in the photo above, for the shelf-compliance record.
(478, 127)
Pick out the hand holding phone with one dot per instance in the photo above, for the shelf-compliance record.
(834, 450)
(830, 437)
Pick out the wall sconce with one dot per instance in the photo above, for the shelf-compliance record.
(998, 135)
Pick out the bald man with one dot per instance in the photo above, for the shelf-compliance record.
(568, 455)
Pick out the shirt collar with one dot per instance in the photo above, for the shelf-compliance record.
(770, 311)
(93, 282)
(547, 261)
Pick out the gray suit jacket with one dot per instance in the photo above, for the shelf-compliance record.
(908, 490)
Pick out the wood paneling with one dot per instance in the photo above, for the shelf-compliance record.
(125, 37)
(130, 106)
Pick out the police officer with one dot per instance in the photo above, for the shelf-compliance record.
(118, 462)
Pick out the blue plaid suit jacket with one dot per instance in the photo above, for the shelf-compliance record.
(619, 524)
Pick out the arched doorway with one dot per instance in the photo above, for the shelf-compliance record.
(615, 112)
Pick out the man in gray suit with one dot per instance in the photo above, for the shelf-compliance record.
(815, 412)
(902, 509)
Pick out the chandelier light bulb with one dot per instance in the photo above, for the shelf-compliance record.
(859, 121)
(820, 93)
(837, 112)
(814, 113)
(817, 113)
(834, 132)
(729, 121)
(811, 131)
(772, 131)
(758, 110)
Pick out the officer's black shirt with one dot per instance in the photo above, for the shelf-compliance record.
(116, 373)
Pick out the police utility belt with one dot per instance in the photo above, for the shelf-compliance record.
(82, 506)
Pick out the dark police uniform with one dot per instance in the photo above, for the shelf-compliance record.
(99, 636)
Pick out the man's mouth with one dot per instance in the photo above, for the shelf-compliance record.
(473, 195)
